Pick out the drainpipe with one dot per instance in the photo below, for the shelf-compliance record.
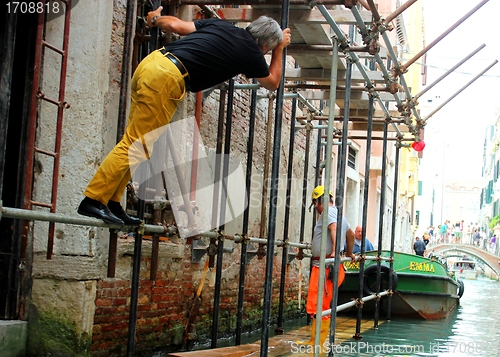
(357, 335)
(246, 216)
(271, 236)
(220, 245)
(393, 225)
(383, 190)
(284, 255)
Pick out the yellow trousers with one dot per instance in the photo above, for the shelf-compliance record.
(157, 88)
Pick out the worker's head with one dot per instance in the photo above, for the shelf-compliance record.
(358, 233)
(316, 196)
(266, 32)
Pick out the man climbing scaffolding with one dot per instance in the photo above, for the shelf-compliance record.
(347, 238)
(211, 52)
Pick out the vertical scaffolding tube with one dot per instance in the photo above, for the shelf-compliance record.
(246, 214)
(6, 85)
(125, 75)
(339, 196)
(381, 220)
(136, 269)
(305, 180)
(284, 256)
(220, 245)
(218, 152)
(365, 211)
(9, 309)
(271, 228)
(393, 224)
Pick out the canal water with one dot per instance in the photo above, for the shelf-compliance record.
(473, 329)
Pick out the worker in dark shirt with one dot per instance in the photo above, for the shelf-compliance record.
(211, 52)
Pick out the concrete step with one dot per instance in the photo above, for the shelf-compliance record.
(13, 335)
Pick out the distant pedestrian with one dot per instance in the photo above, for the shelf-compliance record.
(419, 247)
(426, 238)
(493, 243)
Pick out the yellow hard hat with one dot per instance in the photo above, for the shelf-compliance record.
(318, 192)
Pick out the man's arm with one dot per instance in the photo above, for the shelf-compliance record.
(170, 23)
(332, 228)
(350, 244)
(272, 81)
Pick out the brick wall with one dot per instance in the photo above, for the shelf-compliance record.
(164, 304)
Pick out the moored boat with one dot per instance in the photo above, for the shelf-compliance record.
(465, 268)
(422, 287)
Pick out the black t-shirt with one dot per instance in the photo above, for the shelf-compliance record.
(218, 51)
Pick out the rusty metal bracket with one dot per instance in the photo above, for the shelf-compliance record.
(291, 254)
(359, 303)
(198, 250)
(251, 252)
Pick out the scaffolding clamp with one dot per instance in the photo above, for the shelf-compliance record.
(359, 303)
(244, 239)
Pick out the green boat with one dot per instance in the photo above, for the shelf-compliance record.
(422, 287)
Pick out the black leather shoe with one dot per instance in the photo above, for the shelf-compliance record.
(119, 212)
(88, 208)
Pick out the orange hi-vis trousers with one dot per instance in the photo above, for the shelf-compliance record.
(312, 293)
(157, 88)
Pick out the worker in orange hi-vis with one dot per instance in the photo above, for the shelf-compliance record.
(347, 239)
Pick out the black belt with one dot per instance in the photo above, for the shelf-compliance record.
(179, 66)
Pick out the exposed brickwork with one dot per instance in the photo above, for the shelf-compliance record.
(164, 304)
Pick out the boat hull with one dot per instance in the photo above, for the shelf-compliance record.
(468, 274)
(424, 288)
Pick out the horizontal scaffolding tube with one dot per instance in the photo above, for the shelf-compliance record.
(32, 215)
(330, 261)
(354, 302)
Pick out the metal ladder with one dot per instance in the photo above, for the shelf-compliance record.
(37, 95)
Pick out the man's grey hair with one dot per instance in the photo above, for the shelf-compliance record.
(266, 32)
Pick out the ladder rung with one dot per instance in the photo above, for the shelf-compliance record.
(53, 48)
(60, 104)
(49, 153)
(41, 204)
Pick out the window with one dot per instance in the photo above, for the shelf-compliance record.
(351, 157)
